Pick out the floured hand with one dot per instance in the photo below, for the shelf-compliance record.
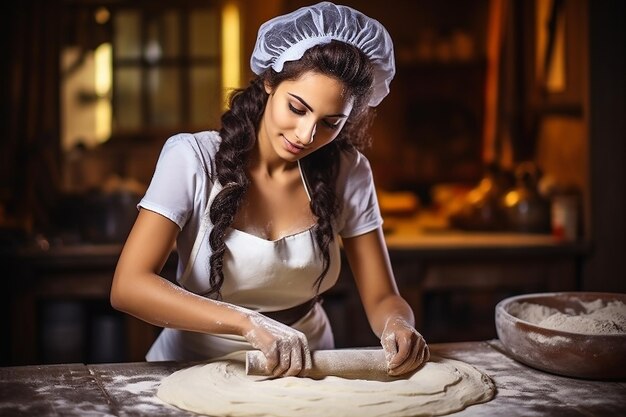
(286, 349)
(405, 349)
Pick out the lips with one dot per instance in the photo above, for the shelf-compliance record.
(291, 147)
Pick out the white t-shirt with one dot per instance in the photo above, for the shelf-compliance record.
(181, 185)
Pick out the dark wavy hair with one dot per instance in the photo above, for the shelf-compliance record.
(240, 124)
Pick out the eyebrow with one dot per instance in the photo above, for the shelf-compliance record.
(305, 104)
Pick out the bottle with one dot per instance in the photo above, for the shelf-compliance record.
(526, 209)
(565, 214)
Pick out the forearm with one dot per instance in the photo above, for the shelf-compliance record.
(369, 261)
(156, 300)
(390, 307)
(139, 290)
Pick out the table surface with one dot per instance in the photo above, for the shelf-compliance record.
(128, 389)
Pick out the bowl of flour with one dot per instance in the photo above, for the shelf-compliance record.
(575, 334)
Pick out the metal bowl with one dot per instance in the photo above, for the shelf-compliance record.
(588, 356)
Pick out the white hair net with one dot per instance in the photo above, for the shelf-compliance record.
(287, 37)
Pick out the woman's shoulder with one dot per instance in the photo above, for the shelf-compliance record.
(201, 146)
(355, 174)
(353, 162)
(206, 141)
(356, 190)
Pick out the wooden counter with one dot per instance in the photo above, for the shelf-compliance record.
(128, 389)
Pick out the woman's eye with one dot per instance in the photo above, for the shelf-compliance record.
(296, 110)
(332, 126)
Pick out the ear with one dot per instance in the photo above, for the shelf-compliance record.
(268, 88)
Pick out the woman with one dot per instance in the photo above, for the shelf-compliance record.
(257, 209)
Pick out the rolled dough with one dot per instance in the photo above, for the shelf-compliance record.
(222, 388)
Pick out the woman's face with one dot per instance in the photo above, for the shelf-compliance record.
(303, 115)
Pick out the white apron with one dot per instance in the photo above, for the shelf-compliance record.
(261, 275)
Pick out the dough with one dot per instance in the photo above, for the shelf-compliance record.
(222, 388)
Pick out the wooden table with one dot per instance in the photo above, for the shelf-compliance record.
(128, 389)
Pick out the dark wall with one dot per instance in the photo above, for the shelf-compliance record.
(605, 269)
(30, 118)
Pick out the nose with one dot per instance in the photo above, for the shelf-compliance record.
(306, 130)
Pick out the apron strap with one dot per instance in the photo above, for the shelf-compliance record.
(205, 221)
(305, 182)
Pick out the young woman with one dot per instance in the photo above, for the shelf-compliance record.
(258, 210)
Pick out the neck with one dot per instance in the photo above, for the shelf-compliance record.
(264, 159)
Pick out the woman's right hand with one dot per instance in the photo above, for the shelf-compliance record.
(285, 348)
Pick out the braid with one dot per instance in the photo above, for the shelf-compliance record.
(320, 169)
(238, 135)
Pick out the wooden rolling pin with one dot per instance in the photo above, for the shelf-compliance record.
(345, 363)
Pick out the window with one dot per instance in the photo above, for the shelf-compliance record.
(165, 68)
(134, 68)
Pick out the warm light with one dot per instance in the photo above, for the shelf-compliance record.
(102, 86)
(475, 195)
(551, 72)
(511, 199)
(231, 51)
(102, 15)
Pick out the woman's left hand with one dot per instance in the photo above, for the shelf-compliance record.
(405, 349)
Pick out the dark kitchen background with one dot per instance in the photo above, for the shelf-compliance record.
(499, 155)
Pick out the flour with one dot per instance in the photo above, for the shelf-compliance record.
(594, 317)
(549, 340)
(441, 386)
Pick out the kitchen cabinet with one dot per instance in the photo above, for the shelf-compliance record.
(59, 307)
(59, 299)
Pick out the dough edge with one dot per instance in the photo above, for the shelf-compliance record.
(235, 394)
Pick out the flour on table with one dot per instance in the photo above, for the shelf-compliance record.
(441, 386)
(594, 317)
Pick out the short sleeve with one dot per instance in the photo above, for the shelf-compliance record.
(360, 212)
(179, 179)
